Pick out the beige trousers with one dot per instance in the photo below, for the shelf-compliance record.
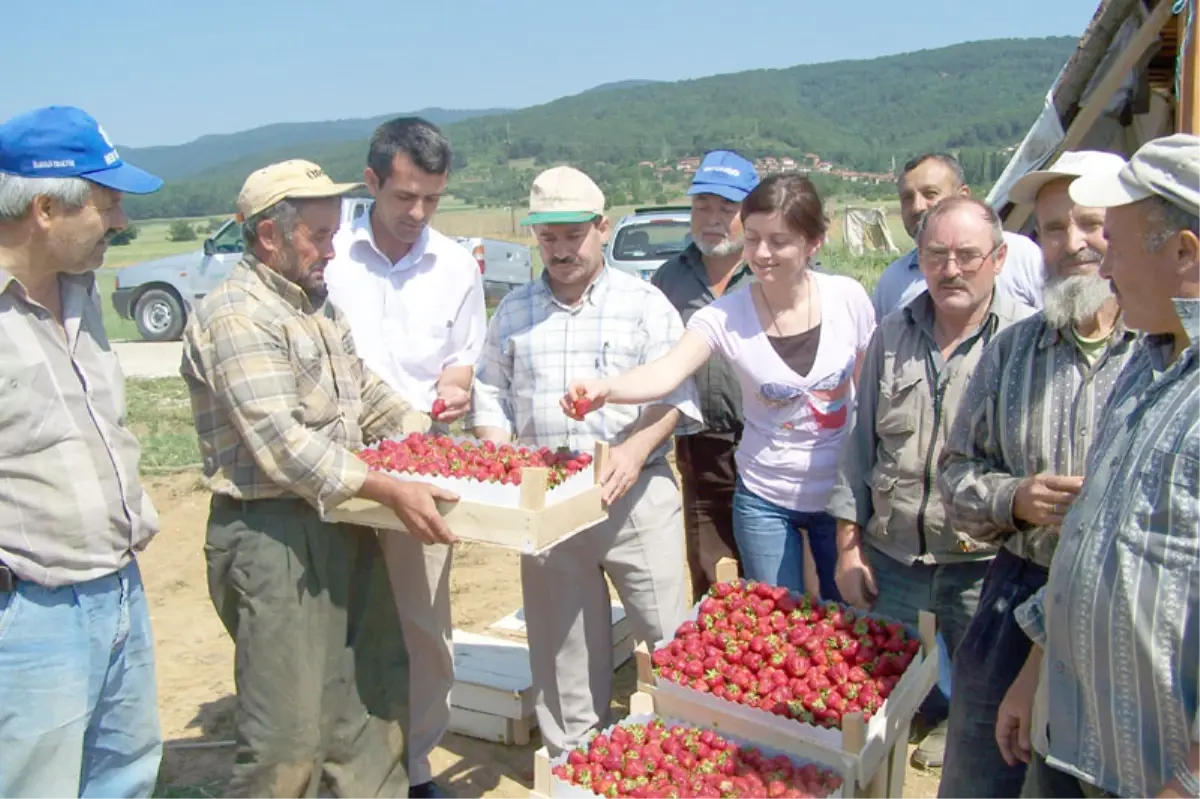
(567, 607)
(420, 578)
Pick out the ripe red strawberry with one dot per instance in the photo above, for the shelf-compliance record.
(581, 407)
(439, 407)
(856, 675)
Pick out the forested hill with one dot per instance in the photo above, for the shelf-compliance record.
(975, 98)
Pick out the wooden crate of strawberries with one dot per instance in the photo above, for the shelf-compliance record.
(847, 682)
(510, 496)
(646, 755)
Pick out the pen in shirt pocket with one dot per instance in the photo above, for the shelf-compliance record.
(602, 358)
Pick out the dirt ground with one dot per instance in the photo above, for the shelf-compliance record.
(195, 660)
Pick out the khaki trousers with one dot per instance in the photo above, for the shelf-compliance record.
(567, 606)
(420, 578)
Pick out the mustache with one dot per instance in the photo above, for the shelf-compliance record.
(566, 260)
(1087, 255)
(953, 283)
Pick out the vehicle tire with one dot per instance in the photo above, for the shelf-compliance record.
(159, 316)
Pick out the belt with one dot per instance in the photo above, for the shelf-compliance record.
(276, 504)
(8, 580)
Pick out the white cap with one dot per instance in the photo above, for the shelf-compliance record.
(1168, 167)
(564, 195)
(1071, 164)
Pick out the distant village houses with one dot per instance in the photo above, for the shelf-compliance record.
(811, 162)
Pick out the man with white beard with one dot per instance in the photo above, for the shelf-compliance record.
(1014, 459)
(710, 267)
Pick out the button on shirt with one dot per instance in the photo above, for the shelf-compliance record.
(279, 395)
(684, 280)
(908, 394)
(1031, 407)
(71, 506)
(1119, 617)
(536, 346)
(1023, 277)
(414, 318)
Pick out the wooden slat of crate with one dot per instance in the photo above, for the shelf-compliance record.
(871, 745)
(515, 528)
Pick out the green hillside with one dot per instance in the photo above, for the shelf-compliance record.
(206, 152)
(974, 98)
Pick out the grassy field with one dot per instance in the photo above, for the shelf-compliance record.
(160, 415)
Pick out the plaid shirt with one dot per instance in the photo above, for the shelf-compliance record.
(71, 506)
(536, 346)
(278, 393)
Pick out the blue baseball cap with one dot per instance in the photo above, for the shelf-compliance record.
(66, 142)
(726, 174)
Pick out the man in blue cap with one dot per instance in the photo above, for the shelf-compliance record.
(78, 706)
(711, 266)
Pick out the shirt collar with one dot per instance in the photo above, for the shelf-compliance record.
(1161, 346)
(85, 282)
(921, 312)
(913, 263)
(279, 285)
(363, 235)
(592, 295)
(1188, 311)
(1052, 335)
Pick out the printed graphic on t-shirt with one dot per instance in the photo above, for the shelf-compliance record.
(825, 403)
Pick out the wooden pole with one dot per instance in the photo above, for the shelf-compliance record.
(1187, 116)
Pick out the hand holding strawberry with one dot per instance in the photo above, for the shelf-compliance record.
(452, 404)
(583, 397)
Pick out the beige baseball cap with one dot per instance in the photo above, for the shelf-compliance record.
(1071, 164)
(563, 195)
(295, 179)
(1168, 167)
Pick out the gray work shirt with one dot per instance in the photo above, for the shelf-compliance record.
(908, 394)
(71, 506)
(684, 281)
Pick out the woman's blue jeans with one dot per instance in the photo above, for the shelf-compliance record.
(772, 549)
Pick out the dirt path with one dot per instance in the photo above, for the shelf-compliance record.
(195, 659)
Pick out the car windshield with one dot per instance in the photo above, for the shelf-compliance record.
(651, 240)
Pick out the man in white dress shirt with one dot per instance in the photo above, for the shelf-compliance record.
(415, 302)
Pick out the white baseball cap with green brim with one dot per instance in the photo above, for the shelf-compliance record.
(563, 195)
(1168, 167)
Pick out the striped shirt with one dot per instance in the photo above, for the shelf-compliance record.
(536, 346)
(1032, 406)
(71, 506)
(1119, 618)
(279, 396)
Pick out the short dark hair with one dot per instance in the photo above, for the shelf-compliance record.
(952, 204)
(947, 160)
(421, 141)
(795, 198)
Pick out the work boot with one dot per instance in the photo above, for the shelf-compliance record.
(932, 751)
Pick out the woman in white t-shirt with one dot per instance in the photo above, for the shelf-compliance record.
(795, 339)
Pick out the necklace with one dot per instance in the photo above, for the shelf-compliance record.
(808, 318)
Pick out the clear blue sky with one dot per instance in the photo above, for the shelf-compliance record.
(167, 71)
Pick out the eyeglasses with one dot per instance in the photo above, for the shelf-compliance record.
(968, 259)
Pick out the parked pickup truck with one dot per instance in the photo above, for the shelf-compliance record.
(158, 295)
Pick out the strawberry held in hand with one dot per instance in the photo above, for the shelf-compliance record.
(814, 662)
(651, 760)
(439, 407)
